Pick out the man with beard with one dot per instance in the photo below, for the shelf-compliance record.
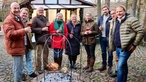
(103, 25)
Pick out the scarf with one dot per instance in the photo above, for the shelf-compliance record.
(17, 18)
(43, 18)
(59, 25)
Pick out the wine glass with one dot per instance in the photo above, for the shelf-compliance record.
(87, 29)
(47, 24)
(29, 24)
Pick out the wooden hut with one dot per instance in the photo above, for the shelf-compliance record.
(66, 7)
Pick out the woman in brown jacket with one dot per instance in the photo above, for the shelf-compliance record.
(89, 31)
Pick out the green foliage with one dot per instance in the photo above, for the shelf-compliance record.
(0, 19)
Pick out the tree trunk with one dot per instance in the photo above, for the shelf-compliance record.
(99, 8)
(144, 21)
(144, 24)
(81, 15)
(126, 5)
(107, 2)
(134, 7)
(138, 10)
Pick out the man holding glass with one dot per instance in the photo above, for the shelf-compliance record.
(40, 28)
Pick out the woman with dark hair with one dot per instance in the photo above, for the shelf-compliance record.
(73, 46)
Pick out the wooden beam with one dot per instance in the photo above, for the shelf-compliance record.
(47, 13)
(81, 15)
(58, 10)
(44, 2)
(65, 15)
(70, 2)
(58, 4)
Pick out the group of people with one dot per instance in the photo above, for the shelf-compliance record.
(118, 31)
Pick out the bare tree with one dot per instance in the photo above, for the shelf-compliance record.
(107, 2)
(126, 4)
(138, 9)
(99, 7)
(134, 5)
(144, 24)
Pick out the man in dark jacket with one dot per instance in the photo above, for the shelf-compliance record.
(103, 25)
(39, 27)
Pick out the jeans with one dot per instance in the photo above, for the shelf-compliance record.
(90, 49)
(58, 53)
(28, 60)
(122, 64)
(104, 49)
(17, 68)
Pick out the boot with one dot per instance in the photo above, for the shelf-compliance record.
(74, 65)
(88, 62)
(109, 71)
(90, 69)
(23, 77)
(71, 64)
(74, 62)
(113, 75)
(55, 60)
(102, 68)
(59, 60)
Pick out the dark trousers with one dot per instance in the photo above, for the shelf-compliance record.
(72, 59)
(104, 49)
(90, 49)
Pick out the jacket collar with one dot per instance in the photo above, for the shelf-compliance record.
(91, 20)
(109, 18)
(16, 18)
(77, 23)
(124, 18)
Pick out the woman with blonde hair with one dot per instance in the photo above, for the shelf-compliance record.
(58, 30)
(28, 46)
(89, 31)
(74, 38)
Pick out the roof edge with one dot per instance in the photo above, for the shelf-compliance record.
(86, 2)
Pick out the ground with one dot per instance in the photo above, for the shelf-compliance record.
(137, 65)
